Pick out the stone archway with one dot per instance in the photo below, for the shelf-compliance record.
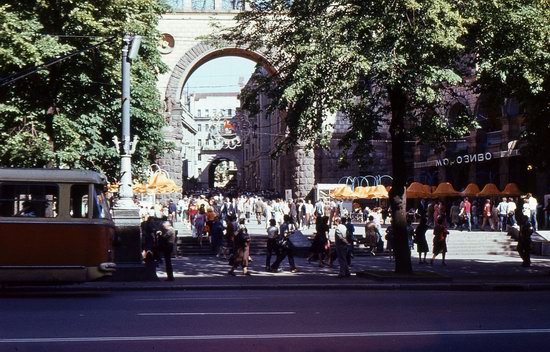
(176, 131)
(199, 55)
(179, 130)
(212, 172)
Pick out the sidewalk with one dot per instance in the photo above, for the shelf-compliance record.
(210, 273)
(467, 269)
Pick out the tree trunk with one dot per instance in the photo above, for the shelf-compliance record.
(402, 252)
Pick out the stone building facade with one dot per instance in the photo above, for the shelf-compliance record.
(500, 126)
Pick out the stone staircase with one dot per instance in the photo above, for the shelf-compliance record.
(460, 244)
(463, 244)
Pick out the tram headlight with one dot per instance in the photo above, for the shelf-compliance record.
(108, 267)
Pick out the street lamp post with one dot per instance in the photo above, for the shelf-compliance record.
(126, 213)
(129, 52)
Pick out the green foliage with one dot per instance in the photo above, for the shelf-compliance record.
(375, 60)
(66, 115)
(396, 64)
(513, 47)
(347, 55)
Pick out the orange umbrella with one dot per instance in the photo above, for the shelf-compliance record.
(335, 193)
(471, 190)
(347, 193)
(445, 189)
(160, 183)
(363, 192)
(358, 191)
(417, 190)
(429, 190)
(511, 190)
(139, 188)
(379, 192)
(113, 187)
(343, 192)
(490, 190)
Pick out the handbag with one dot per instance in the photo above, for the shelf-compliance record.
(282, 242)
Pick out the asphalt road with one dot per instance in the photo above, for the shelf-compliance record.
(273, 320)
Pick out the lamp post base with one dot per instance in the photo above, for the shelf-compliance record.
(130, 265)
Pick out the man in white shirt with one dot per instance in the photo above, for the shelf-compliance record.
(309, 213)
(533, 204)
(272, 235)
(183, 206)
(340, 239)
(503, 213)
(319, 206)
(511, 211)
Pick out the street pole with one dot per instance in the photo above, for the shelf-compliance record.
(128, 258)
(125, 191)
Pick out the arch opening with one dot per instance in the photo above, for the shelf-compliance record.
(222, 173)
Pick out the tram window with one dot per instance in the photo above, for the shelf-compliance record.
(101, 207)
(31, 200)
(79, 201)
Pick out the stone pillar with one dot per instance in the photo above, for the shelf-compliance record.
(472, 147)
(504, 172)
(171, 161)
(302, 171)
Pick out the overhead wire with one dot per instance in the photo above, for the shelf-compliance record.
(20, 75)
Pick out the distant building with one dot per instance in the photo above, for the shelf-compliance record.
(489, 154)
(213, 138)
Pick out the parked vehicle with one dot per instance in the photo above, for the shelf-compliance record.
(55, 226)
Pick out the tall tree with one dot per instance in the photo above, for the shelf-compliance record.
(388, 65)
(65, 114)
(511, 41)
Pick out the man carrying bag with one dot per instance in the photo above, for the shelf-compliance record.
(284, 246)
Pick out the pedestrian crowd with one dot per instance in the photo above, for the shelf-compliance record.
(221, 223)
(482, 214)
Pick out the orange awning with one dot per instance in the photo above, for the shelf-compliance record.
(418, 190)
(343, 192)
(471, 190)
(139, 188)
(113, 187)
(160, 183)
(511, 190)
(445, 189)
(379, 192)
(363, 192)
(490, 190)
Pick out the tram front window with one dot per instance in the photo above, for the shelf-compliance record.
(101, 207)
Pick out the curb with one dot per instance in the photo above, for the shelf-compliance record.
(496, 287)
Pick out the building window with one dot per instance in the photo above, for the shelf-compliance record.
(203, 5)
(206, 113)
(199, 127)
(489, 114)
(199, 113)
(229, 112)
(199, 142)
(200, 157)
